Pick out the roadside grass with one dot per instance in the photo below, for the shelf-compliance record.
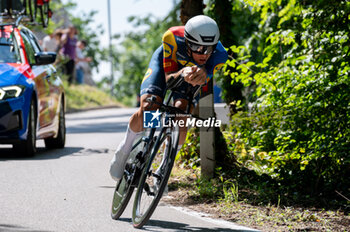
(86, 97)
(242, 195)
(223, 199)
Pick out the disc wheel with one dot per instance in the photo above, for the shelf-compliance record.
(121, 197)
(125, 187)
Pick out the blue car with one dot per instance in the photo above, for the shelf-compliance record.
(32, 100)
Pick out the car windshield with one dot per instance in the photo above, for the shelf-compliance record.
(9, 52)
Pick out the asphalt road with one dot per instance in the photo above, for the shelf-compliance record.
(70, 189)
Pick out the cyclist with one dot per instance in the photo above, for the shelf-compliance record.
(192, 51)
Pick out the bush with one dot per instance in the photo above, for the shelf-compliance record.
(298, 129)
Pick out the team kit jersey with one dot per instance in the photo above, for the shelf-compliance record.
(172, 56)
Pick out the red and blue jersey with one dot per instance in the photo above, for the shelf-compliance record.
(172, 56)
(175, 55)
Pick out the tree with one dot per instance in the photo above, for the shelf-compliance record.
(190, 8)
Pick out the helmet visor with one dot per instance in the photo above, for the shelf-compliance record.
(200, 49)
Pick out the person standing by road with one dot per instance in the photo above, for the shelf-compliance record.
(69, 42)
(81, 61)
(51, 42)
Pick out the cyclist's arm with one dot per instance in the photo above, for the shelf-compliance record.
(169, 52)
(175, 75)
(195, 75)
(170, 65)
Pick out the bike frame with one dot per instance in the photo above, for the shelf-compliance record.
(143, 153)
(165, 107)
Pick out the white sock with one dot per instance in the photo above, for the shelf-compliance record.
(126, 144)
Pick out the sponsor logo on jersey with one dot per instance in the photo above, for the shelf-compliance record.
(185, 62)
(217, 67)
(167, 64)
(167, 50)
(148, 73)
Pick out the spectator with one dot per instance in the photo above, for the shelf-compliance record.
(51, 42)
(58, 36)
(69, 42)
(81, 64)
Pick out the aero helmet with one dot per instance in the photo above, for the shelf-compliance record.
(202, 30)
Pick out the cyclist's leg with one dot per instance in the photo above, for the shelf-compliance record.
(182, 104)
(153, 84)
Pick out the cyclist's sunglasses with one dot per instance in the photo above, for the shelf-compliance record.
(201, 49)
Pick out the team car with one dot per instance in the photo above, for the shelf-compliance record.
(32, 100)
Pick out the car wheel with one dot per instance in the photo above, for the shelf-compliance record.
(28, 146)
(60, 140)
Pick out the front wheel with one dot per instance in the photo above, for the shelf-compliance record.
(155, 176)
(121, 197)
(28, 146)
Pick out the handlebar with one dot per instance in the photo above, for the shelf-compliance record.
(173, 83)
(169, 109)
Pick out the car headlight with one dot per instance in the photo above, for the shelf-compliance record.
(11, 91)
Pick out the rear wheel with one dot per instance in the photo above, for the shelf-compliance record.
(60, 140)
(155, 177)
(28, 146)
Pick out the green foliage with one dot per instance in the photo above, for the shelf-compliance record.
(236, 23)
(208, 189)
(291, 138)
(136, 51)
(230, 191)
(297, 130)
(189, 153)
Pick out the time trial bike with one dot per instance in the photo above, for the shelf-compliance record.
(151, 160)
